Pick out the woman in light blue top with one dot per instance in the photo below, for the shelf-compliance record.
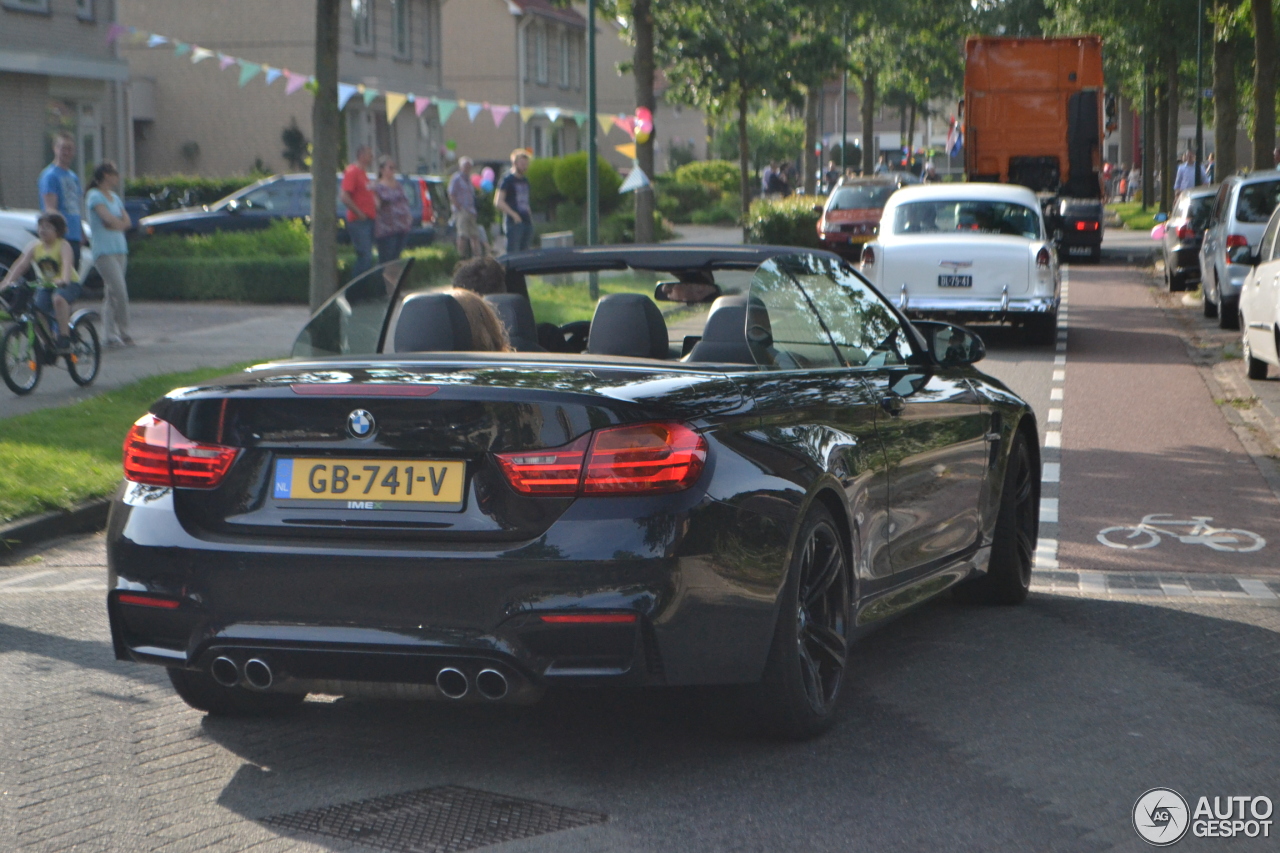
(108, 220)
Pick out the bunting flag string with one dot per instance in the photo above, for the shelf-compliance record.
(395, 101)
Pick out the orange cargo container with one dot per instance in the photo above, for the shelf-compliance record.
(1033, 113)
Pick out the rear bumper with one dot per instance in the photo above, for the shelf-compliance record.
(985, 308)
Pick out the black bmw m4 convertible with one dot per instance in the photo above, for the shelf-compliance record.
(391, 513)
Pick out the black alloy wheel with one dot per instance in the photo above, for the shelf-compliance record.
(1226, 314)
(200, 691)
(804, 676)
(1013, 548)
(85, 357)
(1255, 367)
(20, 359)
(1210, 308)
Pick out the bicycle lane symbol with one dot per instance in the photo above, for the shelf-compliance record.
(1198, 531)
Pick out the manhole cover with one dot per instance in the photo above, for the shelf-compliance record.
(435, 820)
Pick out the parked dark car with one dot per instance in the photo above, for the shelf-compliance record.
(1080, 226)
(1183, 233)
(288, 197)
(389, 513)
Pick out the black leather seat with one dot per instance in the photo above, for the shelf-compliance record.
(431, 322)
(516, 314)
(724, 338)
(628, 324)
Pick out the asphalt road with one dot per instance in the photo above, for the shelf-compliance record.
(964, 728)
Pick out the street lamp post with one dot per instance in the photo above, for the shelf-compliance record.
(844, 102)
(1199, 93)
(593, 175)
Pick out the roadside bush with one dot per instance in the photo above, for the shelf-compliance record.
(284, 238)
(571, 180)
(789, 221)
(678, 200)
(263, 280)
(727, 211)
(432, 265)
(721, 174)
(197, 190)
(543, 193)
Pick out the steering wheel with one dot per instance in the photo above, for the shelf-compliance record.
(575, 335)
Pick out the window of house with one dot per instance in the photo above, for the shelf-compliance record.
(362, 25)
(84, 10)
(540, 54)
(564, 59)
(537, 140)
(429, 31)
(400, 29)
(575, 79)
(27, 5)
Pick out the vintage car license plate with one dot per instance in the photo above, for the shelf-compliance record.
(955, 281)
(371, 483)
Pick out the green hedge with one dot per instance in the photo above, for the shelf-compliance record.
(720, 174)
(202, 190)
(432, 265)
(284, 238)
(571, 179)
(789, 221)
(235, 279)
(543, 194)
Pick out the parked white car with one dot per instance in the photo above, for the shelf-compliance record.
(1260, 301)
(969, 252)
(18, 229)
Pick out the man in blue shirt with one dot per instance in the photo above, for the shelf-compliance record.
(60, 190)
(512, 198)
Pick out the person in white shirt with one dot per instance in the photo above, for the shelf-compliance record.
(1185, 179)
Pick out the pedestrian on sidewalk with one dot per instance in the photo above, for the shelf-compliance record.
(512, 198)
(362, 209)
(60, 190)
(462, 198)
(395, 219)
(109, 222)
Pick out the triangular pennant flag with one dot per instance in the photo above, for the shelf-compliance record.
(580, 118)
(553, 114)
(272, 74)
(154, 40)
(499, 113)
(115, 31)
(395, 102)
(293, 82)
(473, 110)
(445, 108)
(627, 124)
(369, 95)
(637, 179)
(628, 150)
(181, 48)
(606, 122)
(248, 70)
(420, 105)
(200, 54)
(526, 113)
(225, 62)
(345, 91)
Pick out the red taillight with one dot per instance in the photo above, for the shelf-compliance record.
(868, 256)
(1086, 226)
(148, 601)
(589, 618)
(652, 458)
(1043, 258)
(1186, 232)
(156, 454)
(1235, 241)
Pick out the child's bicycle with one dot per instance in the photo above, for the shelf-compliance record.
(28, 344)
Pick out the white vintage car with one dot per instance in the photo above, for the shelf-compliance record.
(970, 252)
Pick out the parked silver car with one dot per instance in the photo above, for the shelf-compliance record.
(1240, 213)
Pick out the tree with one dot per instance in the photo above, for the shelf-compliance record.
(1226, 92)
(1264, 84)
(324, 160)
(643, 69)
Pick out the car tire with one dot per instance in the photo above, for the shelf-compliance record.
(1041, 329)
(1210, 308)
(1255, 368)
(200, 691)
(1013, 548)
(1226, 314)
(804, 676)
(1095, 255)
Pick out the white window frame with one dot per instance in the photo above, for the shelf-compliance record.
(40, 7)
(362, 26)
(564, 58)
(429, 19)
(540, 55)
(401, 29)
(85, 10)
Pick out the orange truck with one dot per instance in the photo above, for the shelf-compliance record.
(1033, 115)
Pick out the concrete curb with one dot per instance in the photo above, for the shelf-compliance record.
(85, 517)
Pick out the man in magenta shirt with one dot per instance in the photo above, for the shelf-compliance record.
(361, 208)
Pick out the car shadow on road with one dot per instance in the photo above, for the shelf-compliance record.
(963, 728)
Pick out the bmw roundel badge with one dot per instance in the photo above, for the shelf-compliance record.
(360, 423)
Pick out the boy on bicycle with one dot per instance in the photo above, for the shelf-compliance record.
(53, 261)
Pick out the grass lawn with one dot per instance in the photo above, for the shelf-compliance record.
(55, 458)
(564, 299)
(1133, 216)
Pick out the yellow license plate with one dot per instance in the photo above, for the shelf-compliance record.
(367, 483)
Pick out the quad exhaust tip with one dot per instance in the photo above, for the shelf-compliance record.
(257, 673)
(452, 682)
(225, 671)
(491, 684)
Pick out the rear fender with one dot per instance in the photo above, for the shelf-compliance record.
(84, 314)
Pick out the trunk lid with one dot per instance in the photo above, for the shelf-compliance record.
(993, 261)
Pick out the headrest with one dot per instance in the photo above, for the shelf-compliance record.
(516, 314)
(432, 322)
(628, 324)
(724, 338)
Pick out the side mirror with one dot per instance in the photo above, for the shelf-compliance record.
(951, 345)
(1160, 217)
(687, 292)
(1244, 255)
(817, 208)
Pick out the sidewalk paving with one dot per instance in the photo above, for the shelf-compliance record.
(171, 337)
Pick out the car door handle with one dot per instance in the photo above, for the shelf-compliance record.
(893, 404)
